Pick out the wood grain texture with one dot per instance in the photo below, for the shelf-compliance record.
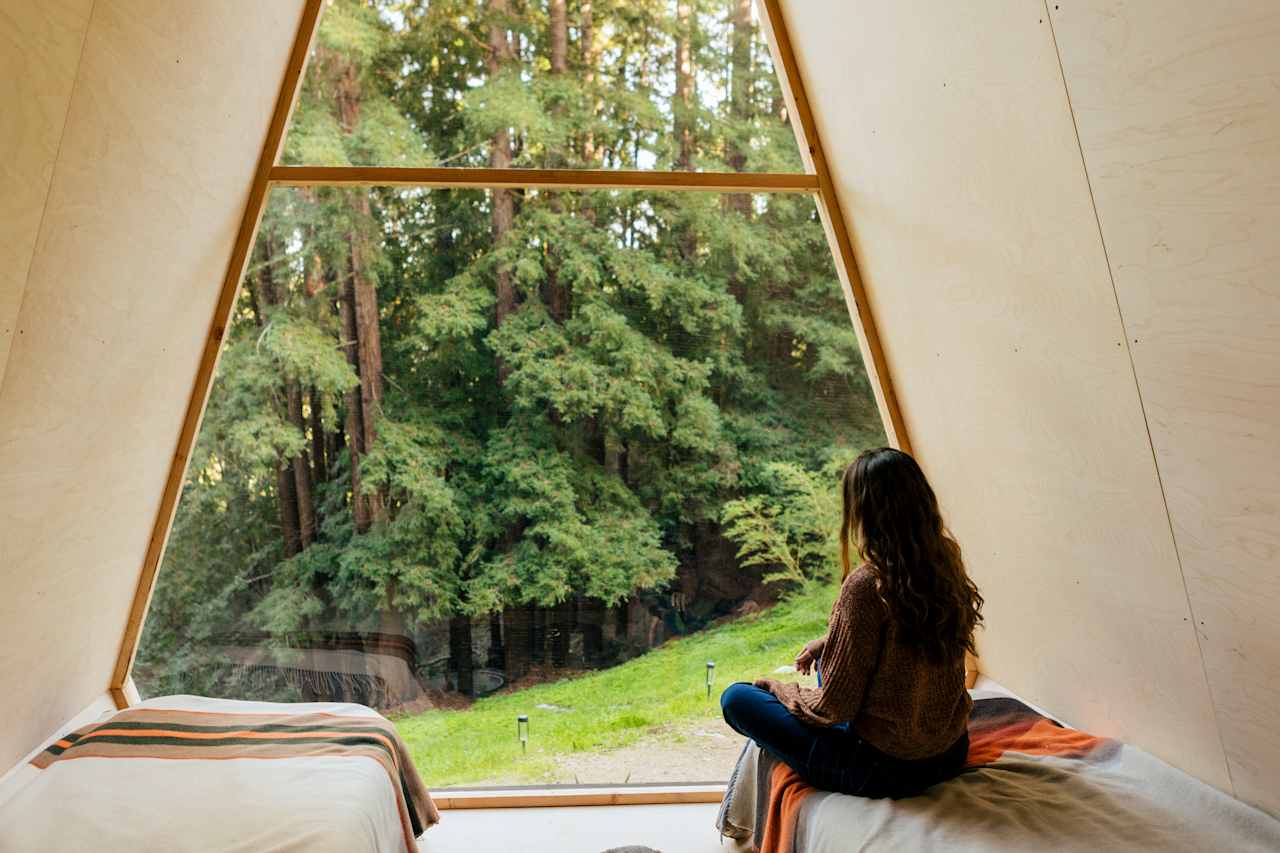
(39, 53)
(831, 212)
(1178, 107)
(563, 179)
(952, 149)
(198, 396)
(156, 160)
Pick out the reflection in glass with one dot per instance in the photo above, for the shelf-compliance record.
(462, 443)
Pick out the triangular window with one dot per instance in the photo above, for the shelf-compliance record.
(474, 453)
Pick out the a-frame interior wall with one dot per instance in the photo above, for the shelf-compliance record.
(165, 114)
(1065, 218)
(39, 53)
(1178, 110)
(1062, 219)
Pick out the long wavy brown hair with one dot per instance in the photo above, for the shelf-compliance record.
(891, 515)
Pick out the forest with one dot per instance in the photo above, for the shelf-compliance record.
(539, 430)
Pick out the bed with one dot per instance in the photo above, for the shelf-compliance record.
(1031, 784)
(185, 773)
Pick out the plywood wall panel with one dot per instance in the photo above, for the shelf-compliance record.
(954, 152)
(1178, 107)
(163, 134)
(39, 53)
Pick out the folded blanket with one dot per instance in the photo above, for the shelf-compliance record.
(1001, 724)
(184, 734)
(752, 809)
(787, 793)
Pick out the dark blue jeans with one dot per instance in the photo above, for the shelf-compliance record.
(835, 758)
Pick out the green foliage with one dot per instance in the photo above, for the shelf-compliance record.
(791, 528)
(666, 368)
(640, 699)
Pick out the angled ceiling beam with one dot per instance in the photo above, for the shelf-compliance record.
(557, 179)
(213, 343)
(837, 229)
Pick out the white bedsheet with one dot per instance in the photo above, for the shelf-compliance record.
(318, 804)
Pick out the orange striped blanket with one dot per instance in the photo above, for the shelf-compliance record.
(185, 734)
(996, 726)
(1029, 784)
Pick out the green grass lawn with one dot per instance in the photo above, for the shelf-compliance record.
(613, 707)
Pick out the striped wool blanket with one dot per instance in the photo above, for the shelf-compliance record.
(1029, 784)
(175, 733)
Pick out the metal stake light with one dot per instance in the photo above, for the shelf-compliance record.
(711, 676)
(522, 731)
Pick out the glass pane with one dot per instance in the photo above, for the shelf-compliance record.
(470, 455)
(585, 84)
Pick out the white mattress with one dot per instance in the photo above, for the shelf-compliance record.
(318, 804)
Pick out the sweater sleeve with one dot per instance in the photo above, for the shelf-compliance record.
(849, 659)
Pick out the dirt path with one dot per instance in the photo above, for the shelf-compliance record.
(702, 751)
(698, 751)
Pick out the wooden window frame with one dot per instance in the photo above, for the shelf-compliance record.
(816, 181)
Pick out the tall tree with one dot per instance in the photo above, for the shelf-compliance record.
(684, 110)
(264, 296)
(517, 408)
(740, 106)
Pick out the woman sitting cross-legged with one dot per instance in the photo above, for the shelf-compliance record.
(889, 716)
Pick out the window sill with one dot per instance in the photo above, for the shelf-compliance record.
(577, 795)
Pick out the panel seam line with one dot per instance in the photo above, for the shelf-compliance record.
(1133, 369)
(44, 209)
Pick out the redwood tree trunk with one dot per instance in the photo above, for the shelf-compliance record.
(740, 96)
(368, 354)
(361, 329)
(683, 108)
(555, 294)
(740, 111)
(265, 296)
(461, 658)
(537, 634)
(354, 423)
(590, 59)
(368, 333)
(562, 632)
(503, 215)
(516, 631)
(591, 618)
(497, 652)
(319, 442)
(301, 468)
(287, 501)
(559, 36)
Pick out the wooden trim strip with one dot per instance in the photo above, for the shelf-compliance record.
(516, 798)
(563, 179)
(877, 366)
(213, 341)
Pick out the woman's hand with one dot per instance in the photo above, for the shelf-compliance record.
(809, 654)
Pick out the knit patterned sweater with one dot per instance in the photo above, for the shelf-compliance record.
(893, 696)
